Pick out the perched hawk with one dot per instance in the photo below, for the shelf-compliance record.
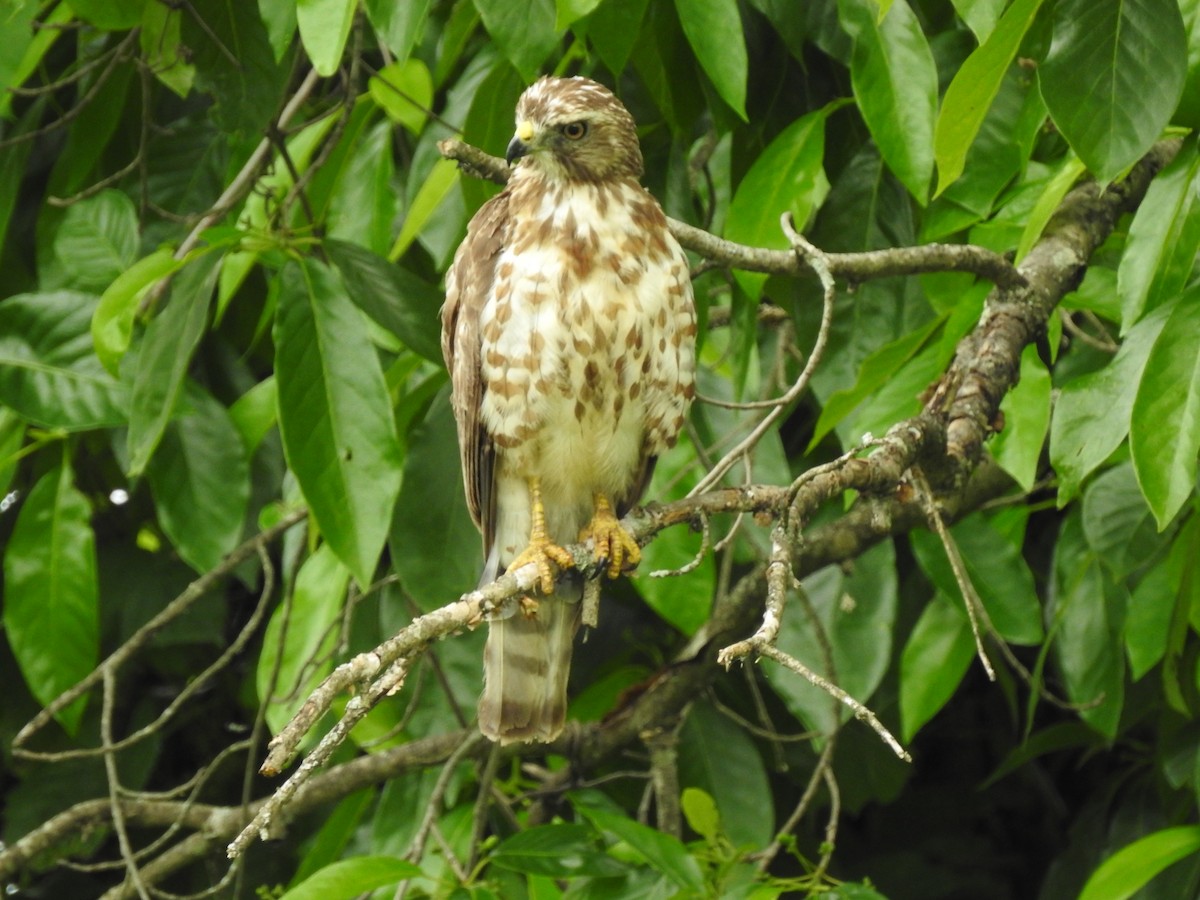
(569, 334)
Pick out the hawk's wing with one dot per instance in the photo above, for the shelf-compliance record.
(468, 283)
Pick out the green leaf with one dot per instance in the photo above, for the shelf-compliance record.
(700, 810)
(398, 25)
(1026, 410)
(857, 613)
(1154, 602)
(1047, 204)
(1160, 252)
(300, 637)
(1164, 431)
(48, 372)
(997, 571)
(442, 177)
(112, 323)
(337, 830)
(200, 479)
(51, 615)
(163, 361)
(335, 415)
(876, 370)
(404, 90)
(1092, 415)
(568, 12)
(362, 205)
(719, 757)
(255, 412)
(395, 298)
(980, 15)
(895, 84)
(662, 851)
(1113, 77)
(96, 241)
(1118, 524)
(614, 29)
(235, 64)
(1125, 872)
(350, 878)
(324, 27)
(1089, 617)
(524, 30)
(714, 29)
(973, 89)
(110, 15)
(935, 659)
(562, 851)
(162, 50)
(431, 515)
(788, 176)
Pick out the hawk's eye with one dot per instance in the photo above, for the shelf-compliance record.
(574, 130)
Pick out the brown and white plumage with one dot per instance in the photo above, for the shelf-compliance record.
(569, 333)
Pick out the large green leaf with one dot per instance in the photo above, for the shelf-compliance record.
(1155, 600)
(246, 89)
(973, 89)
(112, 322)
(789, 176)
(664, 852)
(714, 29)
(362, 205)
(1026, 410)
(1125, 872)
(935, 659)
(1092, 415)
(895, 84)
(51, 615)
(349, 878)
(163, 361)
(1113, 76)
(1089, 617)
(324, 27)
(720, 758)
(559, 850)
(857, 613)
(614, 28)
(398, 25)
(404, 90)
(1164, 431)
(95, 242)
(524, 30)
(110, 15)
(200, 478)
(300, 637)
(48, 372)
(1161, 250)
(395, 298)
(431, 515)
(335, 415)
(997, 571)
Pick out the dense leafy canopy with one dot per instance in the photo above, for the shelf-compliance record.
(228, 465)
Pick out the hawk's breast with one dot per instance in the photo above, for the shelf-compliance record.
(587, 336)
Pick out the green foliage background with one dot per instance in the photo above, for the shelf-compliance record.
(203, 331)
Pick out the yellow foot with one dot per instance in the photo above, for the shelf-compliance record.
(612, 543)
(543, 551)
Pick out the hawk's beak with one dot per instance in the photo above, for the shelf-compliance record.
(520, 144)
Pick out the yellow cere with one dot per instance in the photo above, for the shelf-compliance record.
(525, 130)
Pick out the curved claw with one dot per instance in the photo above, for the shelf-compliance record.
(611, 543)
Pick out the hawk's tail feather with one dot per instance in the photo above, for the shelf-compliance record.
(526, 664)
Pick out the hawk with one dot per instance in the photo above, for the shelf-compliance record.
(569, 333)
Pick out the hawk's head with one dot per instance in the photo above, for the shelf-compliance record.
(574, 128)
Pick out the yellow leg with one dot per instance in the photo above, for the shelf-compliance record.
(541, 549)
(612, 542)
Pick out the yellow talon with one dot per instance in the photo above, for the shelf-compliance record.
(612, 543)
(541, 550)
